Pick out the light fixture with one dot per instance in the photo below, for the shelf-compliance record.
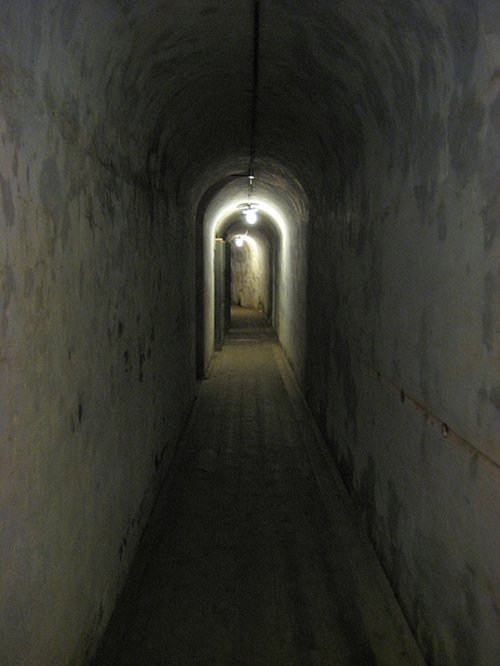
(251, 217)
(240, 239)
(250, 213)
(250, 209)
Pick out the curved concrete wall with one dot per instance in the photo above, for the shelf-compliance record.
(402, 359)
(96, 369)
(378, 134)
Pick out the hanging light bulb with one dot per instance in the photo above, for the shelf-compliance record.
(250, 210)
(240, 239)
(250, 215)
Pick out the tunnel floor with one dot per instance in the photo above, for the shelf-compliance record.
(247, 318)
(254, 554)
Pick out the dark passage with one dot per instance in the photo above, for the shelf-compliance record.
(333, 164)
(253, 555)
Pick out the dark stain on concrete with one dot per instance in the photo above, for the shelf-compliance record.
(13, 125)
(343, 357)
(426, 81)
(51, 191)
(7, 202)
(455, 642)
(33, 44)
(29, 282)
(482, 396)
(373, 286)
(424, 194)
(465, 125)
(142, 358)
(69, 19)
(433, 141)
(81, 281)
(491, 177)
(468, 582)
(65, 226)
(361, 238)
(488, 310)
(393, 511)
(121, 549)
(424, 367)
(367, 494)
(495, 396)
(489, 215)
(48, 95)
(463, 33)
(365, 231)
(68, 117)
(96, 630)
(396, 364)
(346, 469)
(423, 632)
(423, 448)
(465, 626)
(442, 229)
(473, 466)
(8, 289)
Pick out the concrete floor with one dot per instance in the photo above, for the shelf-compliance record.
(254, 554)
(242, 318)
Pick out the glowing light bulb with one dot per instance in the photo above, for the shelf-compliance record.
(251, 216)
(238, 241)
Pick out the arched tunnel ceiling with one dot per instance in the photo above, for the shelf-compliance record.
(278, 194)
(235, 224)
(177, 79)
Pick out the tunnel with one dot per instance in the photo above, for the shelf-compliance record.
(129, 133)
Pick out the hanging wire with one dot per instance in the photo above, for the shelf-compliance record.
(251, 179)
(255, 91)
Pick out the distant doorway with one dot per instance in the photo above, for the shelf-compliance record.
(249, 288)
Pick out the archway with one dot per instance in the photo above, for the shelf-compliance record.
(283, 211)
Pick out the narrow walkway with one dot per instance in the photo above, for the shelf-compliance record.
(242, 318)
(253, 555)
